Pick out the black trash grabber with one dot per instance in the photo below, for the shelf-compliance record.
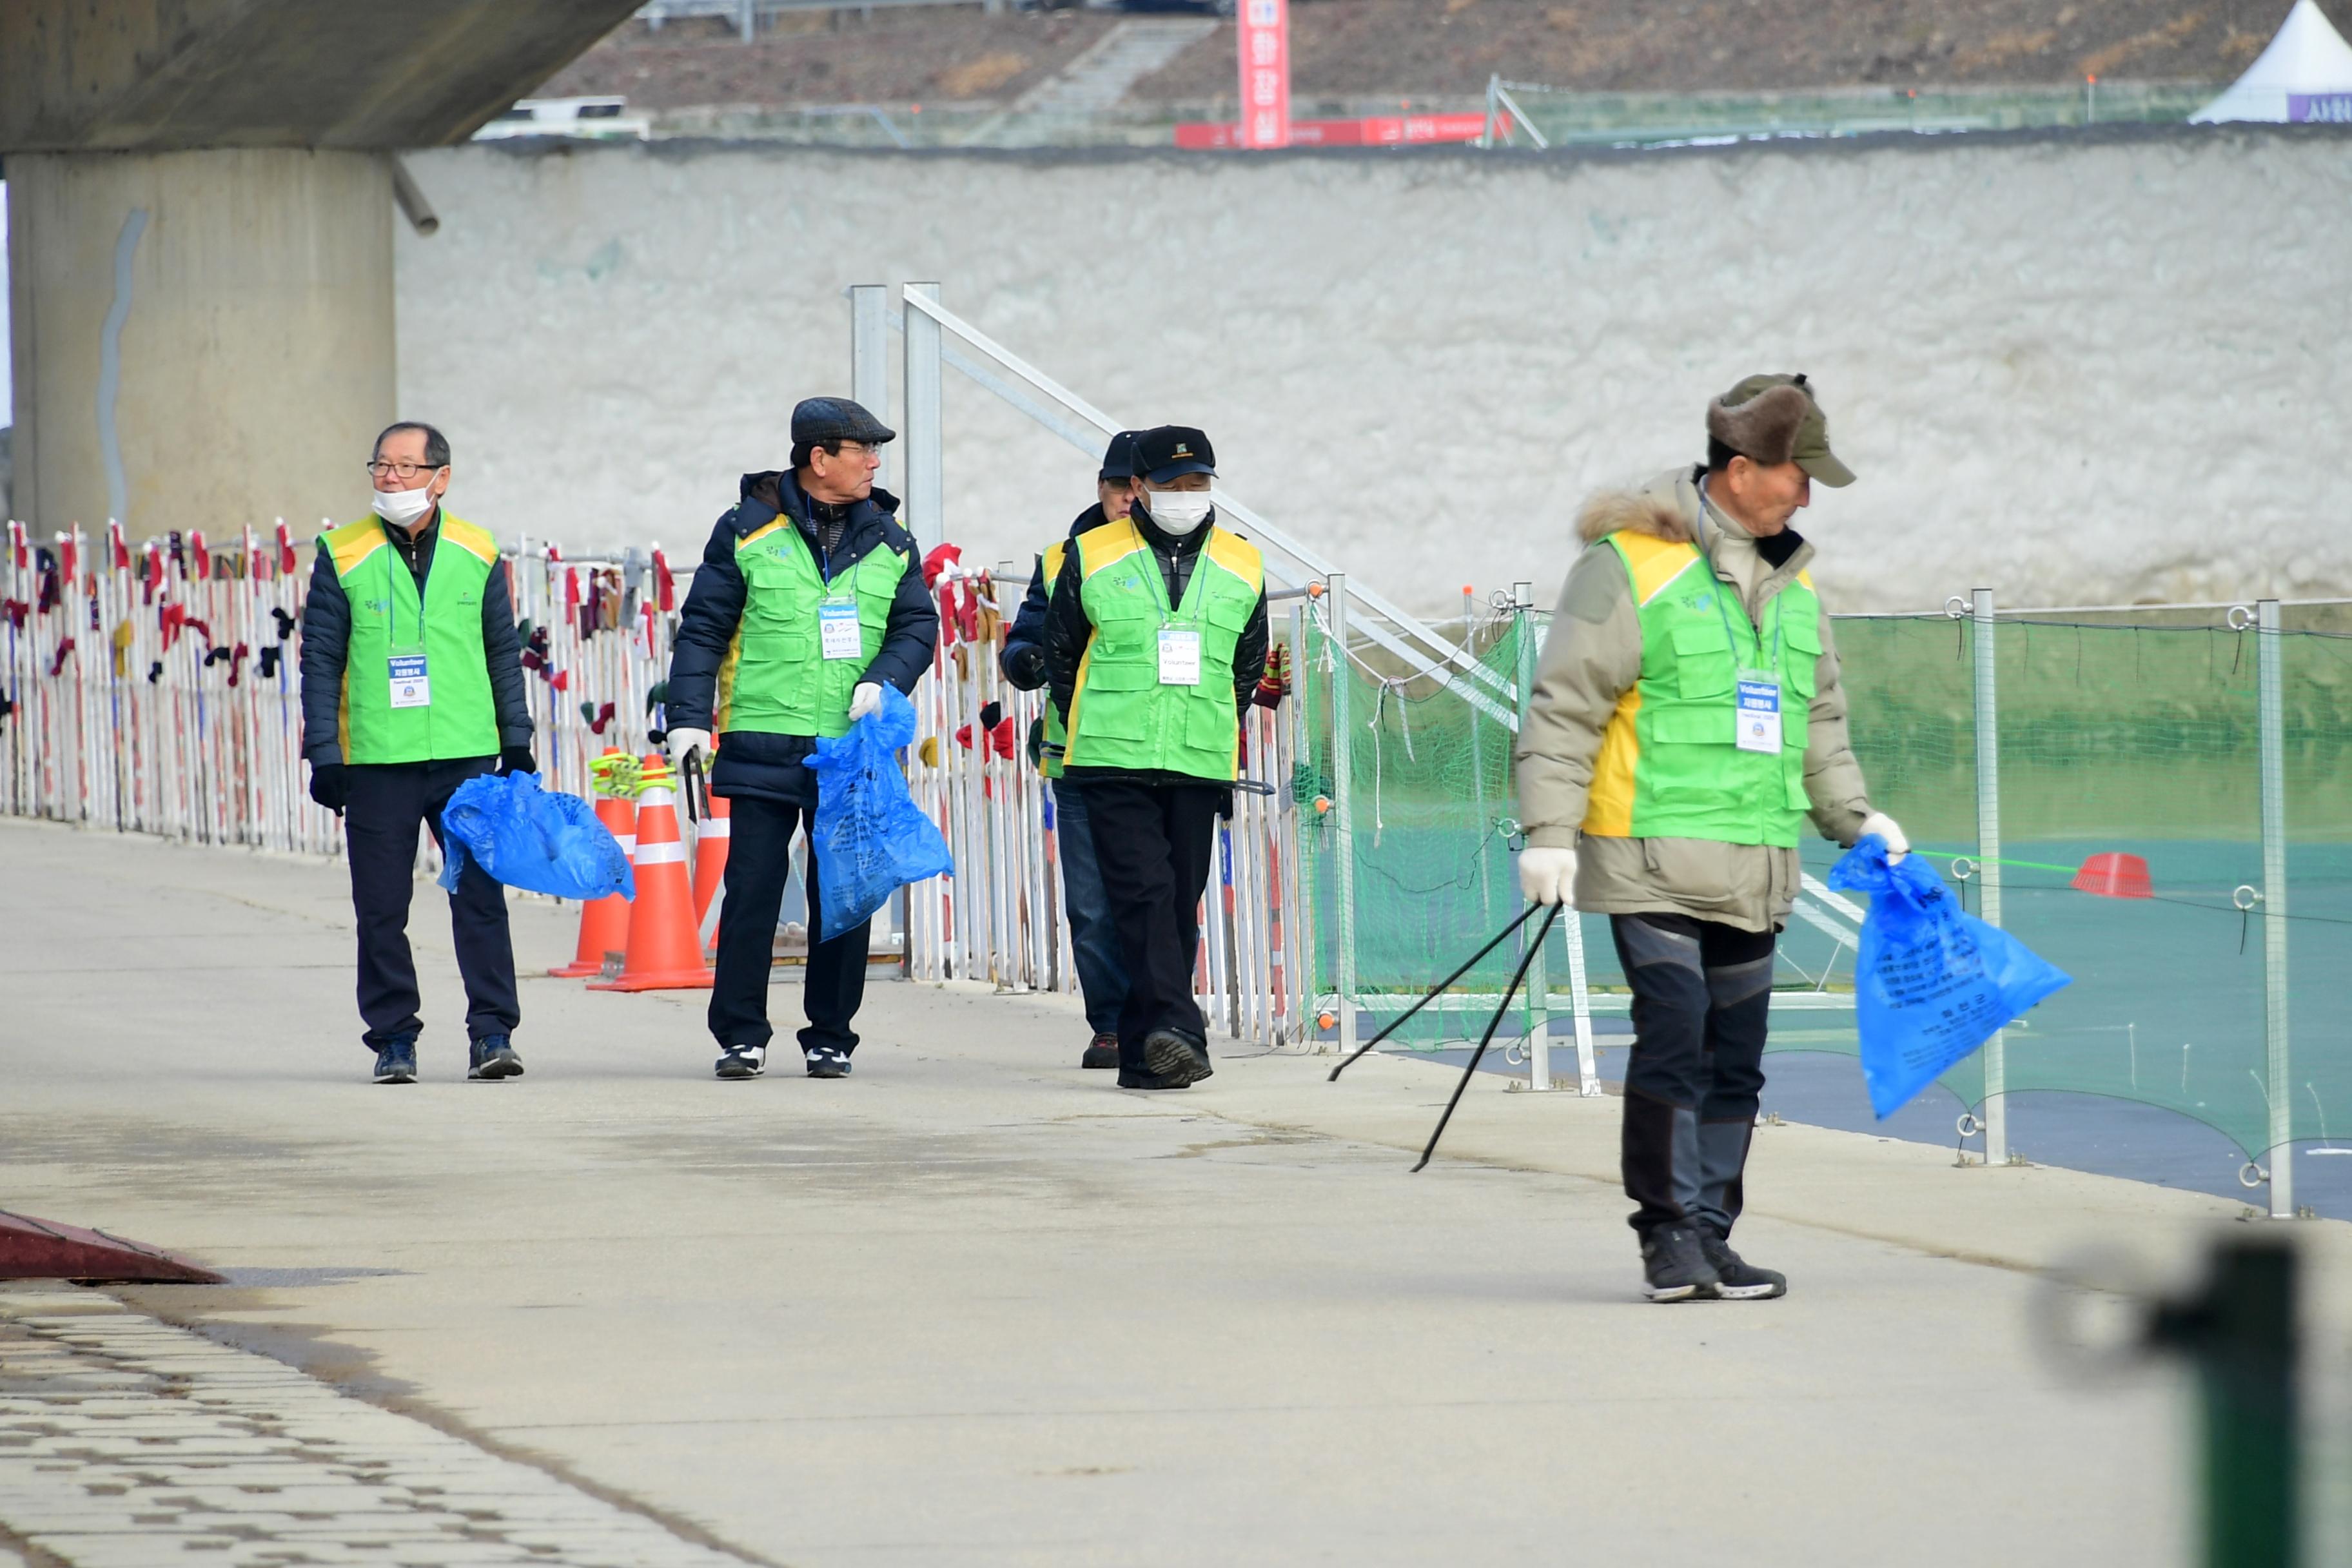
(696, 788)
(1434, 993)
(1509, 991)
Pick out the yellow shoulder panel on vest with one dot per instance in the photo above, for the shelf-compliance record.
(354, 543)
(1654, 562)
(1053, 554)
(1238, 556)
(1101, 547)
(1806, 577)
(473, 540)
(759, 534)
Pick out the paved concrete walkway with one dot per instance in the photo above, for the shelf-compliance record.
(972, 1306)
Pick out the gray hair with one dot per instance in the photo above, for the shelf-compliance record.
(437, 445)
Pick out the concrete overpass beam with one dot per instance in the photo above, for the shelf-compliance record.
(200, 339)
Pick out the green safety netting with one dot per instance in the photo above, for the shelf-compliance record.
(2116, 738)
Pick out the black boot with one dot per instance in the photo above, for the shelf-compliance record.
(1676, 1265)
(1737, 1280)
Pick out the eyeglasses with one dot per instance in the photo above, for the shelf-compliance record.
(854, 449)
(404, 470)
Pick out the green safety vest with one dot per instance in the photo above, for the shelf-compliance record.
(388, 622)
(1668, 766)
(1049, 760)
(776, 680)
(1121, 716)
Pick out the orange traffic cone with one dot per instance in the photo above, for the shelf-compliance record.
(665, 949)
(711, 840)
(604, 922)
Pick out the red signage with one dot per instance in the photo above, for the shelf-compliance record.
(1372, 131)
(1263, 28)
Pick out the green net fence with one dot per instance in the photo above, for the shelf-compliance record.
(2133, 736)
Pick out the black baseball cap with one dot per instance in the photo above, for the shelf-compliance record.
(820, 419)
(1171, 451)
(1119, 457)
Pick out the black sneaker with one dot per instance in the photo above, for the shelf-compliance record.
(827, 1061)
(1676, 1265)
(494, 1058)
(1155, 1081)
(1102, 1053)
(395, 1061)
(1737, 1280)
(1167, 1054)
(741, 1061)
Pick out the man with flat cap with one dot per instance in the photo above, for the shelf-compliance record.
(809, 598)
(1094, 937)
(1155, 641)
(1686, 719)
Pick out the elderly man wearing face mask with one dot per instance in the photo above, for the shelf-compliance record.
(1154, 643)
(411, 684)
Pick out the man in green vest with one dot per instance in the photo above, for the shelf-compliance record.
(1686, 719)
(1155, 641)
(411, 684)
(809, 598)
(1094, 936)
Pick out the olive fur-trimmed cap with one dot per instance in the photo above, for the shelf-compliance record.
(1776, 419)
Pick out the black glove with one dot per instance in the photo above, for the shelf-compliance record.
(1024, 666)
(517, 760)
(331, 785)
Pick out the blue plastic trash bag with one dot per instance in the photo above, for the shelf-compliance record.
(1932, 983)
(870, 839)
(531, 839)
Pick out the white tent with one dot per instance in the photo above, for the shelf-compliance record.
(2305, 74)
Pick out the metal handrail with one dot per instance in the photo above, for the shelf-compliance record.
(1500, 703)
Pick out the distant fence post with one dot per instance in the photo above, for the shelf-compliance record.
(2270, 701)
(1539, 987)
(1343, 824)
(1987, 716)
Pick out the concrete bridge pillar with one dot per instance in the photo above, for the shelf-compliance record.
(198, 336)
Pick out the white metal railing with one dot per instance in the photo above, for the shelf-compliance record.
(926, 324)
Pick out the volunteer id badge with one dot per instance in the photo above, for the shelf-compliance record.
(411, 686)
(1760, 714)
(836, 629)
(1179, 655)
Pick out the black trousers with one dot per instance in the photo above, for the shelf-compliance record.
(1153, 843)
(1702, 1002)
(759, 863)
(387, 803)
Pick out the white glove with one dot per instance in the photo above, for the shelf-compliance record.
(1548, 876)
(864, 701)
(683, 744)
(1885, 827)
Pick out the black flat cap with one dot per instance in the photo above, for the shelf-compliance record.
(1171, 451)
(1119, 457)
(837, 419)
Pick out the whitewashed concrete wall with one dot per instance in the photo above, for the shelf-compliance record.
(2086, 370)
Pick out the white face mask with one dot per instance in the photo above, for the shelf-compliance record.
(404, 507)
(1179, 511)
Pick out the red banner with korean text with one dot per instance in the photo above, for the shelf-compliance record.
(1264, 30)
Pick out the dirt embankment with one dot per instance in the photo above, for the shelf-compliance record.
(1449, 47)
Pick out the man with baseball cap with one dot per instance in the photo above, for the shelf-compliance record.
(809, 598)
(1093, 938)
(1155, 641)
(1686, 719)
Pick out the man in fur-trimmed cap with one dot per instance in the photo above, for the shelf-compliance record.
(1686, 718)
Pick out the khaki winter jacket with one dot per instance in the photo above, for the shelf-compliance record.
(1592, 657)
